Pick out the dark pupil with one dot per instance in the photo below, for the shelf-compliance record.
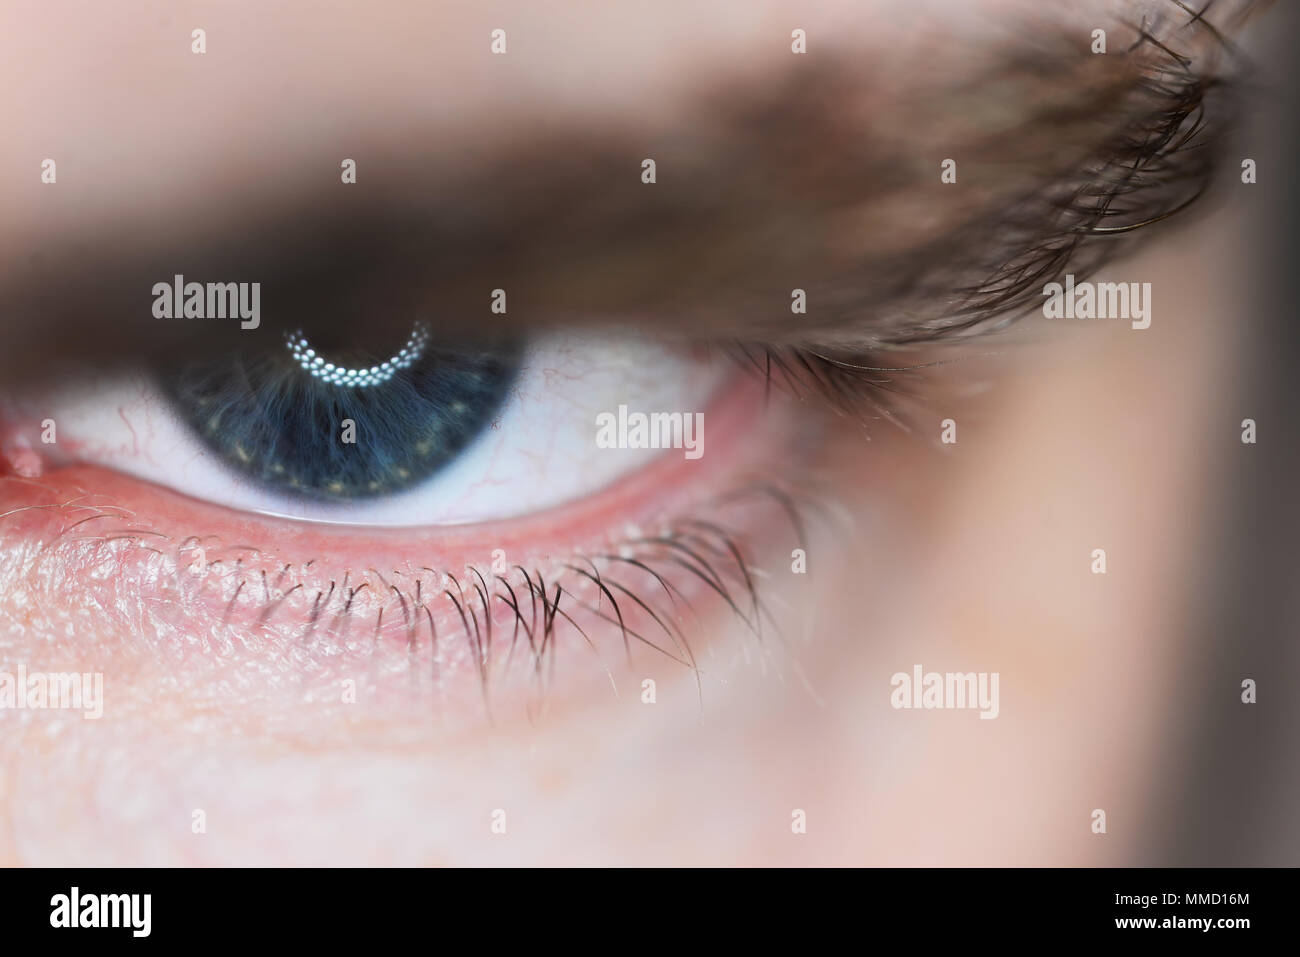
(275, 422)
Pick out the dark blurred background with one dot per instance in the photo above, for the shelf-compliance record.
(1236, 802)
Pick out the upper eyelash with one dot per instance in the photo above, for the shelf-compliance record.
(863, 387)
(1155, 167)
(1158, 166)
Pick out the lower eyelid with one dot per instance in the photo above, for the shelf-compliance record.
(202, 583)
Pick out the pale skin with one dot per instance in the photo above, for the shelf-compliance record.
(975, 556)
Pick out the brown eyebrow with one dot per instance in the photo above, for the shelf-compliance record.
(761, 189)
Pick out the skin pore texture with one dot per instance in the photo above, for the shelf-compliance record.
(971, 556)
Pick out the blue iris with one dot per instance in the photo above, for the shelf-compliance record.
(325, 437)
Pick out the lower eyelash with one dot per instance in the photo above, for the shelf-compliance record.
(539, 602)
(633, 593)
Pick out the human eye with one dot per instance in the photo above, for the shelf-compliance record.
(324, 475)
(412, 506)
(672, 506)
(424, 435)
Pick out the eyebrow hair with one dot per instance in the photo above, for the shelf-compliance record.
(762, 188)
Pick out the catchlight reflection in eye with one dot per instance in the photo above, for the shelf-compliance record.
(316, 365)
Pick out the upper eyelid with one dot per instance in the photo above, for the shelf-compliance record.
(382, 248)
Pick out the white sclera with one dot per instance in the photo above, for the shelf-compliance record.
(542, 453)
